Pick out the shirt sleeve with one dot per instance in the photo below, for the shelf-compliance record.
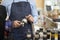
(34, 10)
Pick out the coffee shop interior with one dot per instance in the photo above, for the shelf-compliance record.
(48, 22)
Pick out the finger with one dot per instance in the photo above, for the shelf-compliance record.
(28, 16)
(18, 22)
(31, 19)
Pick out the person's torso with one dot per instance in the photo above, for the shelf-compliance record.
(18, 12)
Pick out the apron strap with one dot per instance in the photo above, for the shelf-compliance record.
(13, 0)
(26, 0)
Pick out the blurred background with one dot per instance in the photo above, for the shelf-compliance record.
(48, 14)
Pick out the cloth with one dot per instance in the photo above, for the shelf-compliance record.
(2, 21)
(20, 33)
(18, 13)
(7, 4)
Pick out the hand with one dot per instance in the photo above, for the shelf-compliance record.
(16, 24)
(30, 18)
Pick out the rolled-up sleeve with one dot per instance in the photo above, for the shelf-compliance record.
(34, 11)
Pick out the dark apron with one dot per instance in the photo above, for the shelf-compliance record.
(18, 11)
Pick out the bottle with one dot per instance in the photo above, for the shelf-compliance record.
(44, 35)
(37, 36)
(52, 35)
(58, 34)
(28, 35)
(24, 21)
(41, 33)
(48, 34)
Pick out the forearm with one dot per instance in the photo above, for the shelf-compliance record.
(34, 13)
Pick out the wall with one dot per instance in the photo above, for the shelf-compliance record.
(40, 3)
